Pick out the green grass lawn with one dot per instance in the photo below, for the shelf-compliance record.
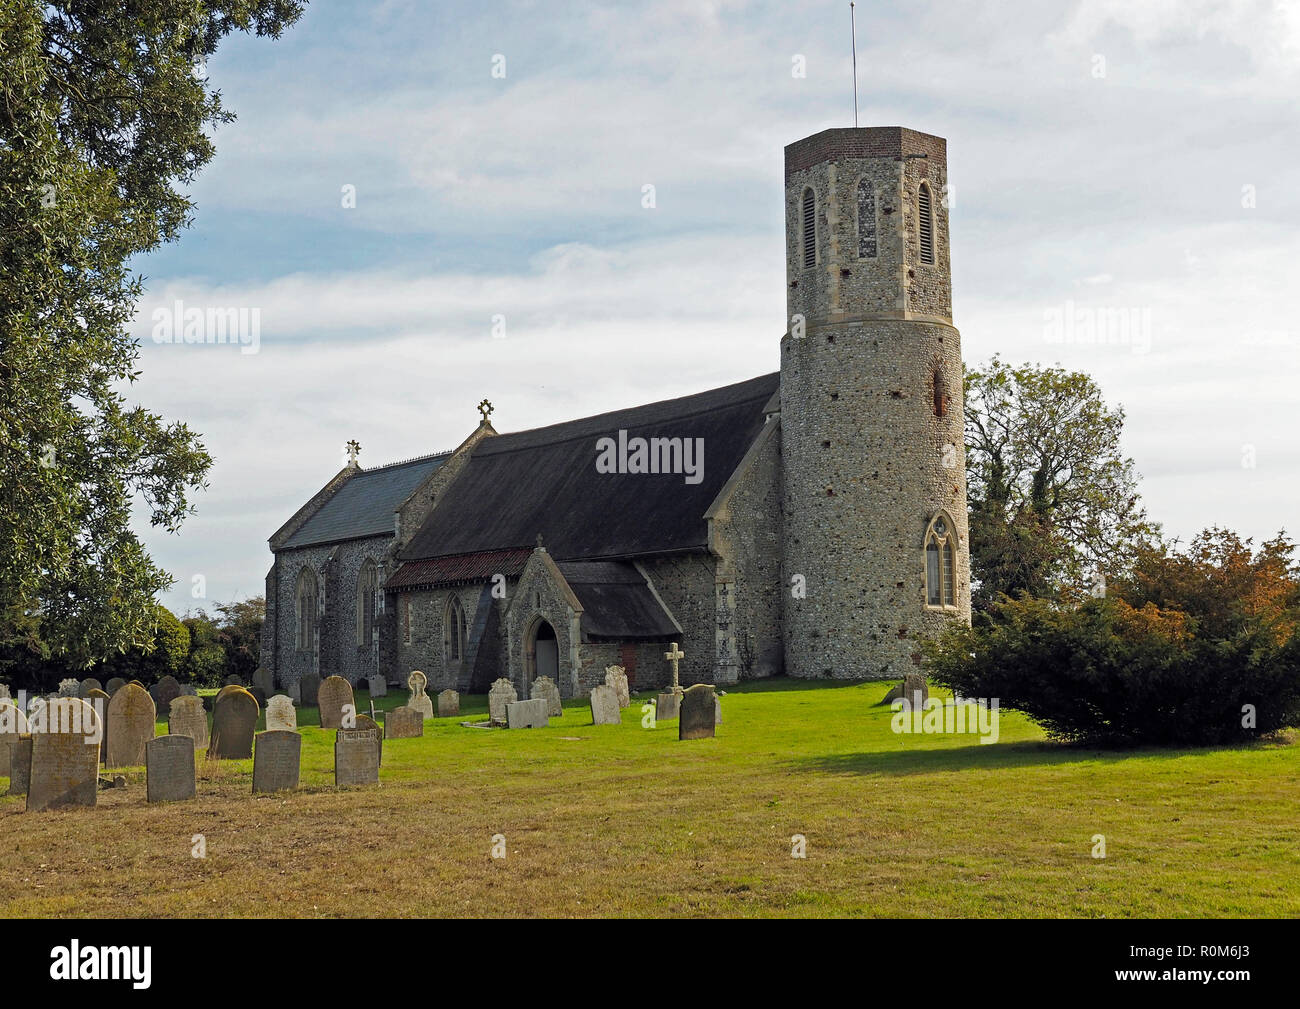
(623, 820)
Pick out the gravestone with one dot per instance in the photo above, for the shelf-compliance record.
(65, 757)
(280, 715)
(165, 691)
(530, 714)
(262, 678)
(277, 760)
(4, 692)
(604, 705)
(377, 686)
(308, 688)
(20, 767)
(500, 694)
(131, 717)
(13, 723)
(448, 703)
(616, 677)
(666, 706)
(224, 692)
(696, 715)
(98, 699)
(69, 688)
(259, 695)
(916, 691)
(232, 681)
(403, 723)
(417, 683)
(234, 720)
(294, 690)
(366, 722)
(356, 757)
(114, 685)
(717, 710)
(87, 685)
(334, 694)
(544, 688)
(169, 769)
(188, 717)
(189, 690)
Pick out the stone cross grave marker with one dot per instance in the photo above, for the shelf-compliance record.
(500, 694)
(188, 717)
(131, 716)
(234, 720)
(356, 757)
(448, 703)
(544, 687)
(334, 694)
(696, 715)
(277, 760)
(403, 723)
(417, 682)
(667, 703)
(169, 769)
(604, 705)
(280, 715)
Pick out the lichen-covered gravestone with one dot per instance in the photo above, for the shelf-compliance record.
(616, 677)
(356, 757)
(334, 695)
(448, 703)
(69, 688)
(277, 760)
(20, 768)
(403, 723)
(13, 723)
(188, 717)
(280, 715)
(131, 717)
(417, 683)
(544, 688)
(234, 719)
(500, 694)
(667, 705)
(65, 756)
(366, 722)
(916, 691)
(308, 687)
(169, 769)
(604, 705)
(696, 713)
(530, 714)
(377, 685)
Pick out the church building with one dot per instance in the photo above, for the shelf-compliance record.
(809, 522)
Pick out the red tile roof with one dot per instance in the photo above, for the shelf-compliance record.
(460, 568)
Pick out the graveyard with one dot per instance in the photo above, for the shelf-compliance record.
(804, 802)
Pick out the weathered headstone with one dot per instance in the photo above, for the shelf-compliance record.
(87, 685)
(500, 694)
(13, 723)
(169, 769)
(366, 722)
(166, 690)
(4, 692)
(666, 706)
(262, 678)
(188, 717)
(356, 757)
(280, 715)
(334, 695)
(259, 695)
(114, 685)
(717, 710)
(189, 690)
(99, 699)
(544, 688)
(65, 756)
(308, 687)
(232, 681)
(916, 691)
(69, 688)
(696, 714)
(294, 690)
(20, 767)
(131, 717)
(377, 686)
(277, 760)
(616, 677)
(530, 714)
(403, 723)
(448, 703)
(417, 683)
(234, 720)
(604, 705)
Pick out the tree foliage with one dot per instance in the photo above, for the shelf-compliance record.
(103, 121)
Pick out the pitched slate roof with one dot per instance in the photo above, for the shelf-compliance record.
(515, 486)
(616, 602)
(479, 567)
(364, 506)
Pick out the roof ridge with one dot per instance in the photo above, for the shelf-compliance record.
(407, 462)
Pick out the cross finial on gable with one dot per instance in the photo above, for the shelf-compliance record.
(354, 450)
(539, 542)
(485, 408)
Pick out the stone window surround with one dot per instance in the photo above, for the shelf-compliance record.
(803, 219)
(454, 637)
(952, 540)
(367, 588)
(306, 591)
(934, 234)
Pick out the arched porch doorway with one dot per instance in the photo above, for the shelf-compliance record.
(541, 653)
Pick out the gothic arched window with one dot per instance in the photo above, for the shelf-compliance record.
(940, 563)
(866, 219)
(367, 600)
(453, 632)
(305, 609)
(925, 222)
(809, 229)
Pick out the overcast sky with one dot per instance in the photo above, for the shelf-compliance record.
(1105, 155)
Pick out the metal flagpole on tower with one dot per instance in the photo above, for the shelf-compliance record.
(853, 21)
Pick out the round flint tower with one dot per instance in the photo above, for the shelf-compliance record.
(876, 544)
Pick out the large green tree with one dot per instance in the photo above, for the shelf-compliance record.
(104, 119)
(1053, 500)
